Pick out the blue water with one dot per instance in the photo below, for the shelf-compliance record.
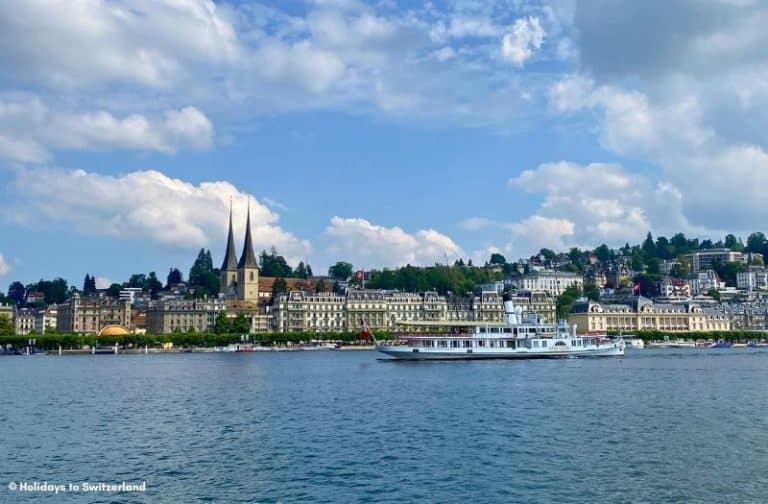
(656, 426)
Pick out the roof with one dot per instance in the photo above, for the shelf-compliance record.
(114, 330)
(309, 284)
(248, 258)
(230, 257)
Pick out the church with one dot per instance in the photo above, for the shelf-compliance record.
(239, 280)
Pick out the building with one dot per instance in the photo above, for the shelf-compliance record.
(640, 313)
(300, 311)
(240, 279)
(180, 315)
(551, 281)
(539, 303)
(703, 281)
(90, 314)
(130, 293)
(704, 259)
(7, 311)
(672, 288)
(756, 278)
(45, 319)
(24, 321)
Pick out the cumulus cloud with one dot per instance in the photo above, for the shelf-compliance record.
(29, 129)
(4, 266)
(369, 244)
(522, 42)
(146, 207)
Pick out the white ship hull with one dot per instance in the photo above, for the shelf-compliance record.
(406, 352)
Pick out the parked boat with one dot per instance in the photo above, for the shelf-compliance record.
(668, 343)
(720, 344)
(512, 339)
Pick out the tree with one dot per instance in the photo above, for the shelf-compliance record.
(274, 265)
(566, 299)
(153, 285)
(757, 243)
(16, 293)
(340, 271)
(603, 253)
(6, 326)
(733, 243)
(714, 294)
(202, 266)
(592, 292)
(114, 290)
(309, 271)
(174, 277)
(497, 258)
(138, 281)
(279, 287)
(320, 286)
(547, 254)
(663, 248)
(89, 285)
(649, 247)
(680, 270)
(222, 325)
(300, 271)
(679, 244)
(240, 325)
(337, 288)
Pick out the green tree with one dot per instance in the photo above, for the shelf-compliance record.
(222, 325)
(240, 325)
(340, 271)
(274, 265)
(565, 301)
(499, 259)
(174, 277)
(663, 248)
(153, 285)
(679, 244)
(114, 290)
(6, 326)
(592, 292)
(757, 243)
(337, 288)
(680, 270)
(649, 247)
(89, 285)
(300, 271)
(547, 254)
(278, 287)
(202, 266)
(320, 286)
(603, 253)
(714, 294)
(138, 280)
(17, 293)
(733, 243)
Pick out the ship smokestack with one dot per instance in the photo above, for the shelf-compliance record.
(509, 310)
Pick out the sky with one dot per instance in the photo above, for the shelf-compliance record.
(382, 133)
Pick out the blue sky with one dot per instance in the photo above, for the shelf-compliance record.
(382, 133)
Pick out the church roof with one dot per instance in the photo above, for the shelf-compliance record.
(230, 257)
(248, 258)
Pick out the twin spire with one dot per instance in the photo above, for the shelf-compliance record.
(247, 258)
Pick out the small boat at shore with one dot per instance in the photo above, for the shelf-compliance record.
(512, 339)
(668, 343)
(720, 344)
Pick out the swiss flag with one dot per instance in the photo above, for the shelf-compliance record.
(365, 332)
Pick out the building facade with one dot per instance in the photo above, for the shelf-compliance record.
(643, 314)
(551, 282)
(24, 321)
(90, 314)
(184, 315)
(704, 259)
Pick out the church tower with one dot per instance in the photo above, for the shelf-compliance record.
(248, 268)
(228, 272)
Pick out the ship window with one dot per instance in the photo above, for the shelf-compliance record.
(510, 344)
(495, 330)
(482, 329)
(535, 343)
(560, 343)
(467, 343)
(454, 344)
(481, 343)
(492, 344)
(544, 343)
(507, 330)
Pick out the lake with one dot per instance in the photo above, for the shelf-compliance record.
(655, 426)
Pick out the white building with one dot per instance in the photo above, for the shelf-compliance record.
(703, 259)
(45, 320)
(703, 281)
(551, 281)
(753, 279)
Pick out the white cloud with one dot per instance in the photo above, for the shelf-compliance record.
(29, 129)
(147, 207)
(522, 42)
(4, 266)
(103, 282)
(367, 244)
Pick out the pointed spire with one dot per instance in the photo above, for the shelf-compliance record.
(248, 259)
(230, 257)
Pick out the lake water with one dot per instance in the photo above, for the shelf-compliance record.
(655, 426)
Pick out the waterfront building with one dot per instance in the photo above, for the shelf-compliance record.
(551, 281)
(45, 319)
(640, 313)
(300, 311)
(7, 310)
(703, 259)
(24, 321)
(180, 315)
(539, 303)
(367, 305)
(90, 314)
